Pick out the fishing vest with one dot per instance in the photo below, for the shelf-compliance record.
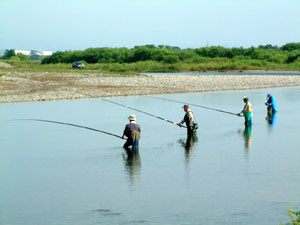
(187, 118)
(133, 132)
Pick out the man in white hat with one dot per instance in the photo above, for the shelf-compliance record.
(133, 133)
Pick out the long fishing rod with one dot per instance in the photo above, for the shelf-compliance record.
(68, 124)
(204, 107)
(149, 114)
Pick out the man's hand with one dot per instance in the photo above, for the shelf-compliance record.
(179, 124)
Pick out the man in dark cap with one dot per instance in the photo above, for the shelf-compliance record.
(189, 121)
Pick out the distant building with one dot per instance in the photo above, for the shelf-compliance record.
(40, 52)
(33, 52)
(24, 52)
(2, 52)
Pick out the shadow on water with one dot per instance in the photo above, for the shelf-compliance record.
(132, 163)
(188, 145)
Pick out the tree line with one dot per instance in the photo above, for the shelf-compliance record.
(287, 53)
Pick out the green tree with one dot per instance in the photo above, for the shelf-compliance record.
(290, 47)
(9, 53)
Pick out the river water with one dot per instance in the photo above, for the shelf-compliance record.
(56, 174)
(294, 73)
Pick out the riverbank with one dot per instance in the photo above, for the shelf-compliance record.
(47, 86)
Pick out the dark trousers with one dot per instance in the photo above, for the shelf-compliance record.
(128, 143)
(134, 150)
(189, 132)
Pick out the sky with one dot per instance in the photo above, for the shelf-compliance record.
(77, 25)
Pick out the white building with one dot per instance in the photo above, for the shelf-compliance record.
(33, 52)
(40, 52)
(24, 52)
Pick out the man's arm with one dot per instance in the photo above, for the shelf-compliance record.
(125, 132)
(181, 122)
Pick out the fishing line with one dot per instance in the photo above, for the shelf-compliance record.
(68, 124)
(149, 114)
(204, 107)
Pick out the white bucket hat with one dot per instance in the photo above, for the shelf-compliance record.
(132, 117)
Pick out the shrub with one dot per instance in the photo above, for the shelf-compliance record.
(171, 59)
(293, 56)
(23, 57)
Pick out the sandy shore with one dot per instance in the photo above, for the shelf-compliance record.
(43, 86)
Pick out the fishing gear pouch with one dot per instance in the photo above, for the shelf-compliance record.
(195, 128)
(135, 135)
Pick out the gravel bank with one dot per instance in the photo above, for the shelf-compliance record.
(44, 86)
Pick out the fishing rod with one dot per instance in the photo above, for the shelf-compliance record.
(68, 124)
(204, 107)
(149, 114)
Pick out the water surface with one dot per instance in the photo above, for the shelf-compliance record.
(296, 73)
(54, 174)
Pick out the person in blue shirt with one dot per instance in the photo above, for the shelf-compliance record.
(271, 105)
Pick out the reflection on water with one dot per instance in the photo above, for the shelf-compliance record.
(248, 136)
(271, 118)
(188, 145)
(132, 163)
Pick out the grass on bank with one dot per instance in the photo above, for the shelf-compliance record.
(216, 64)
(294, 218)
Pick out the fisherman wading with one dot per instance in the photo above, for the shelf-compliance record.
(189, 121)
(247, 111)
(271, 105)
(133, 133)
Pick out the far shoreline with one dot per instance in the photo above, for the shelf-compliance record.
(51, 86)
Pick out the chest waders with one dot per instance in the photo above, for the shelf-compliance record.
(248, 118)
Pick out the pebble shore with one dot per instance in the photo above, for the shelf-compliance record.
(47, 86)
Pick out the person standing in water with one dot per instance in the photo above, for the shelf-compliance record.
(271, 105)
(189, 121)
(133, 133)
(247, 111)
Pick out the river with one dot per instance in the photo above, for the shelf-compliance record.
(264, 73)
(56, 174)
